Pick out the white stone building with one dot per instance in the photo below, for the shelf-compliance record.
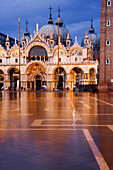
(39, 60)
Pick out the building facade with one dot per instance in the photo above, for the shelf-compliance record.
(94, 45)
(3, 38)
(106, 45)
(39, 60)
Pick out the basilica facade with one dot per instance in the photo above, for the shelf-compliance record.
(39, 60)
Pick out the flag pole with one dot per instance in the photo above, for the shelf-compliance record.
(58, 51)
(19, 56)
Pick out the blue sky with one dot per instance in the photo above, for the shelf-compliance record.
(76, 15)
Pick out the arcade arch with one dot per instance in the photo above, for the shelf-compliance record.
(36, 76)
(76, 76)
(92, 75)
(13, 77)
(61, 80)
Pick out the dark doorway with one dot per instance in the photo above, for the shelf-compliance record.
(61, 82)
(62, 77)
(15, 82)
(1, 80)
(38, 82)
(1, 85)
(13, 79)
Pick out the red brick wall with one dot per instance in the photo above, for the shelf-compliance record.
(106, 52)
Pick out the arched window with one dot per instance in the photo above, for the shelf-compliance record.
(107, 42)
(16, 60)
(38, 51)
(108, 2)
(108, 23)
(107, 61)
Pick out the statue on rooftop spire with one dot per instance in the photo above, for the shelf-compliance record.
(75, 40)
(37, 29)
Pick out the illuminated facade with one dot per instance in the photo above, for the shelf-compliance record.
(39, 60)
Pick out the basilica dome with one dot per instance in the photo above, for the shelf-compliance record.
(93, 37)
(52, 29)
(49, 29)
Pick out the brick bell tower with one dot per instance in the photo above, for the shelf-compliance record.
(106, 46)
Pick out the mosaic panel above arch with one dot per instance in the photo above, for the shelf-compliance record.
(36, 67)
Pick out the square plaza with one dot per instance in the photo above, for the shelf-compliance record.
(56, 130)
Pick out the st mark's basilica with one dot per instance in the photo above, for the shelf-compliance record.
(39, 59)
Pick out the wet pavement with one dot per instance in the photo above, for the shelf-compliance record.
(56, 131)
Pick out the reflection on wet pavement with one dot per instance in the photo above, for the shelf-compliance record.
(55, 130)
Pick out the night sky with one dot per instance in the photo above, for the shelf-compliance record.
(76, 15)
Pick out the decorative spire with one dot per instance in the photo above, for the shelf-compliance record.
(50, 12)
(60, 21)
(26, 25)
(87, 35)
(91, 22)
(37, 29)
(7, 39)
(68, 40)
(7, 43)
(68, 36)
(50, 20)
(91, 30)
(59, 12)
(51, 38)
(75, 39)
(26, 33)
(23, 37)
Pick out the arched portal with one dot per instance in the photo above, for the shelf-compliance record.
(76, 76)
(1, 79)
(60, 82)
(36, 76)
(13, 76)
(38, 53)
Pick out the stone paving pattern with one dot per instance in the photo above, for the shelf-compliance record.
(56, 130)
